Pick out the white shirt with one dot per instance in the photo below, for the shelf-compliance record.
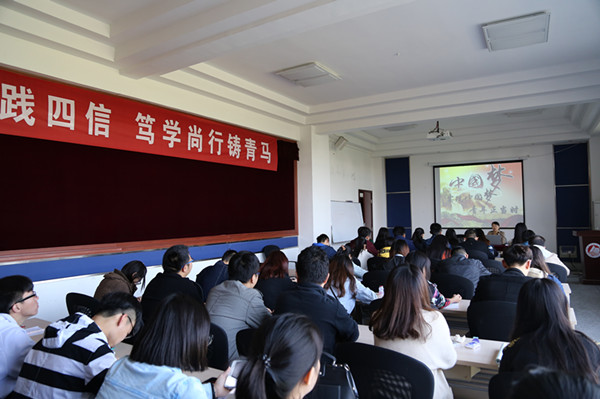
(363, 294)
(14, 346)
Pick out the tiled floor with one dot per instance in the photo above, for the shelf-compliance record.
(585, 300)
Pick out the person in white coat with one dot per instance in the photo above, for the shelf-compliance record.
(406, 323)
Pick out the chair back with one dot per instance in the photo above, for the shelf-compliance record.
(500, 384)
(491, 319)
(81, 303)
(493, 265)
(559, 271)
(382, 373)
(243, 341)
(375, 279)
(218, 350)
(476, 254)
(450, 284)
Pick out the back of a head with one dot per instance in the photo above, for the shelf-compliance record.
(119, 303)
(438, 248)
(480, 234)
(176, 336)
(243, 266)
(517, 255)
(537, 240)
(322, 238)
(451, 236)
(175, 258)
(312, 265)
(528, 235)
(418, 234)
(135, 269)
(268, 249)
(399, 247)
(470, 233)
(227, 255)
(520, 229)
(284, 349)
(399, 231)
(275, 266)
(12, 289)
(537, 260)
(382, 234)
(421, 260)
(364, 232)
(400, 314)
(435, 228)
(544, 383)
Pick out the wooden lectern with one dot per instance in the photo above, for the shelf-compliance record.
(589, 247)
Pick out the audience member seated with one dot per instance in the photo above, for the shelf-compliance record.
(18, 302)
(544, 383)
(398, 254)
(323, 243)
(438, 250)
(400, 234)
(359, 272)
(382, 235)
(543, 335)
(214, 275)
(435, 229)
(124, 280)
(309, 298)
(460, 264)
(175, 340)
(520, 229)
(177, 265)
(452, 238)
(344, 286)
(284, 361)
(406, 323)
(539, 269)
(482, 238)
(364, 233)
(76, 352)
(437, 300)
(380, 261)
(472, 243)
(497, 232)
(235, 305)
(527, 236)
(360, 254)
(549, 257)
(418, 239)
(273, 278)
(506, 286)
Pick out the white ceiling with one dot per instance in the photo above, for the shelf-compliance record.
(403, 63)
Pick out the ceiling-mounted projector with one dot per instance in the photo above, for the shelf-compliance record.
(439, 134)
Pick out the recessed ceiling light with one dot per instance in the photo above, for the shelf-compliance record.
(310, 74)
(517, 32)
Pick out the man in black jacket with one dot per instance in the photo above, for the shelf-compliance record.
(310, 298)
(506, 286)
(460, 265)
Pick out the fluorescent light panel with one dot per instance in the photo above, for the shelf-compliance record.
(517, 32)
(310, 74)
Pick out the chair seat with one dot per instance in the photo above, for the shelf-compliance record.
(81, 303)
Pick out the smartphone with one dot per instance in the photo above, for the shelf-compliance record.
(234, 372)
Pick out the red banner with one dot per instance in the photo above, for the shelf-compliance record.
(43, 109)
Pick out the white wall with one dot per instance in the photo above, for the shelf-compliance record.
(538, 171)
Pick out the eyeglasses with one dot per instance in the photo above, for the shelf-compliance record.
(24, 299)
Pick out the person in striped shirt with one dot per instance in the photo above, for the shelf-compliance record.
(75, 353)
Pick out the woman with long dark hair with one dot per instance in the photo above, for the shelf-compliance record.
(174, 341)
(417, 239)
(539, 268)
(452, 238)
(520, 229)
(407, 323)
(543, 335)
(438, 250)
(273, 278)
(124, 280)
(382, 234)
(343, 285)
(284, 359)
(437, 300)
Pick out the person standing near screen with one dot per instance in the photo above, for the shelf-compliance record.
(496, 232)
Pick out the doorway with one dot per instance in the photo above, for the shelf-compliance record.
(365, 197)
